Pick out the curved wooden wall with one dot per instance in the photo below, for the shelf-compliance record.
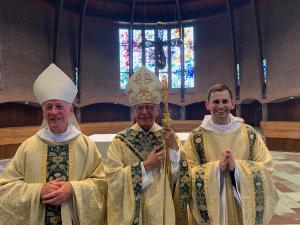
(285, 111)
(17, 114)
(102, 112)
(252, 113)
(196, 111)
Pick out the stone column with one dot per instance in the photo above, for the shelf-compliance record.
(264, 112)
(78, 114)
(182, 112)
(238, 110)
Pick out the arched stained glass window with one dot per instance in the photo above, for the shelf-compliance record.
(145, 55)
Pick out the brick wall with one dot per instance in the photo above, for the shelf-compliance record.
(26, 30)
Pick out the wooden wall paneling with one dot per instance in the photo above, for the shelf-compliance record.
(101, 112)
(196, 111)
(285, 111)
(282, 135)
(14, 114)
(252, 113)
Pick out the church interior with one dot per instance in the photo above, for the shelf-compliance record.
(252, 46)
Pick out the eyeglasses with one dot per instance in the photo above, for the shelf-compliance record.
(148, 108)
(224, 101)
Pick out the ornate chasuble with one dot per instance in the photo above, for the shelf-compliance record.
(57, 167)
(199, 182)
(141, 144)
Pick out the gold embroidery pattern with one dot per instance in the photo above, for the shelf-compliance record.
(200, 196)
(141, 143)
(259, 193)
(57, 167)
(143, 87)
(252, 137)
(136, 175)
(199, 145)
(184, 183)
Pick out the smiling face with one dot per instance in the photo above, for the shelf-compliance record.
(145, 115)
(220, 104)
(57, 114)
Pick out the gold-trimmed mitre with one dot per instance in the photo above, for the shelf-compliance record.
(143, 87)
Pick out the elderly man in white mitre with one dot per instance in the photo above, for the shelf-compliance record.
(147, 182)
(56, 176)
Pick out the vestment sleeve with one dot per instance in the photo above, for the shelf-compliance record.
(258, 194)
(19, 201)
(124, 186)
(90, 190)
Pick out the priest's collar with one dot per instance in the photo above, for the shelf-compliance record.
(48, 135)
(208, 124)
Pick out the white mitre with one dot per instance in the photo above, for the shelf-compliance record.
(143, 87)
(52, 84)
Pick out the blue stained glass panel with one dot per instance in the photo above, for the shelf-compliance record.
(238, 76)
(188, 57)
(124, 77)
(176, 67)
(150, 51)
(149, 35)
(175, 33)
(123, 37)
(265, 70)
(164, 71)
(175, 61)
(137, 50)
(150, 58)
(124, 57)
(175, 56)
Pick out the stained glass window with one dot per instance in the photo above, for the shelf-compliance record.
(188, 57)
(265, 70)
(150, 51)
(175, 61)
(137, 49)
(164, 71)
(145, 55)
(238, 75)
(124, 57)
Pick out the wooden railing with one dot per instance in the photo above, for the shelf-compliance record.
(282, 135)
(12, 137)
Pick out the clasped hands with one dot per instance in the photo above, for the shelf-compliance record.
(157, 156)
(226, 161)
(56, 192)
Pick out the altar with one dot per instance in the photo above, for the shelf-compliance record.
(103, 141)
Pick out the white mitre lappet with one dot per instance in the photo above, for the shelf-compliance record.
(54, 84)
(143, 87)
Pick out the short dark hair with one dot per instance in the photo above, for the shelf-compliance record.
(218, 87)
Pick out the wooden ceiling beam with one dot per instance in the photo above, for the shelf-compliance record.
(234, 48)
(58, 9)
(80, 43)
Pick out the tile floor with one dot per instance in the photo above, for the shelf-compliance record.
(286, 177)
